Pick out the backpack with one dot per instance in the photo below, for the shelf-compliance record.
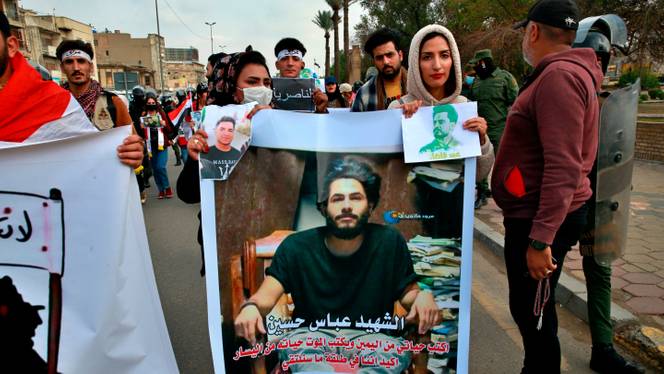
(105, 114)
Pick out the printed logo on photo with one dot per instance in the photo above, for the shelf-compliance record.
(392, 217)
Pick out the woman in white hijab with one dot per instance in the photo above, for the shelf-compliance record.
(434, 78)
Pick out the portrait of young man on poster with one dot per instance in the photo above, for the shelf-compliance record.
(344, 280)
(221, 158)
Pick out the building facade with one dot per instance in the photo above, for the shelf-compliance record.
(182, 54)
(183, 74)
(43, 34)
(125, 61)
(40, 35)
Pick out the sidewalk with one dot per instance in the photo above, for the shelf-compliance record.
(637, 277)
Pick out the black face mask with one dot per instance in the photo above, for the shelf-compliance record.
(151, 107)
(484, 68)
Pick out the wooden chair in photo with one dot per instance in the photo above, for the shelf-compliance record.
(247, 274)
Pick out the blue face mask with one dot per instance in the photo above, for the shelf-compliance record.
(469, 80)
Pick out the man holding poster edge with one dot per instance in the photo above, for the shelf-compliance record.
(310, 264)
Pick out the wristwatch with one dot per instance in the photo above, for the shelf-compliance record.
(536, 244)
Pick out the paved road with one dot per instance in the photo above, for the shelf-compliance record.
(495, 341)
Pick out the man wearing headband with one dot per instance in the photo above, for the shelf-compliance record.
(105, 109)
(52, 114)
(290, 62)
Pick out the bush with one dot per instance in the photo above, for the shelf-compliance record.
(656, 94)
(643, 97)
(648, 80)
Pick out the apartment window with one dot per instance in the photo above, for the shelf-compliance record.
(106, 52)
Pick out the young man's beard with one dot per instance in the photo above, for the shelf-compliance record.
(347, 233)
(390, 76)
(4, 60)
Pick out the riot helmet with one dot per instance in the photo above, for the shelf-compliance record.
(599, 43)
(181, 95)
(201, 87)
(151, 94)
(138, 95)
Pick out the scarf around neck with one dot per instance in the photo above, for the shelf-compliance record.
(88, 99)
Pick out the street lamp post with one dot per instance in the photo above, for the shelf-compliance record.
(161, 65)
(211, 39)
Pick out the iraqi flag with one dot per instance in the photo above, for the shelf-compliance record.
(34, 110)
(178, 114)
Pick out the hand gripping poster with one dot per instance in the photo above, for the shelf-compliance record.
(334, 255)
(77, 290)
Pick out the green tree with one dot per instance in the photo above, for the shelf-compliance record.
(474, 24)
(336, 6)
(323, 19)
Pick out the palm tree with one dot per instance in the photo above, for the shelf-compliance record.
(346, 41)
(336, 6)
(323, 19)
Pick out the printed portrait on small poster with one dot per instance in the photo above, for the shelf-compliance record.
(152, 122)
(229, 134)
(436, 133)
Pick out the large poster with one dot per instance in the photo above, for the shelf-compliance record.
(359, 249)
(77, 289)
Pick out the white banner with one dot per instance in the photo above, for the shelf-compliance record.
(338, 131)
(370, 133)
(110, 319)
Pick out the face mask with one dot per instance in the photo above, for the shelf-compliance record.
(262, 95)
(469, 80)
(151, 107)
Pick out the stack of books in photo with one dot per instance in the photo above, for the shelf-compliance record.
(437, 262)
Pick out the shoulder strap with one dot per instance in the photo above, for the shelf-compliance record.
(111, 105)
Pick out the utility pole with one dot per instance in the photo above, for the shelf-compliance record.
(161, 65)
(211, 39)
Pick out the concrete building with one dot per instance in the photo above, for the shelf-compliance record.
(183, 74)
(44, 33)
(182, 54)
(125, 61)
(16, 24)
(40, 35)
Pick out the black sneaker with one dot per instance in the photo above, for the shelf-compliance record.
(605, 359)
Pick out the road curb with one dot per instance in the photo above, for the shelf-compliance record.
(570, 293)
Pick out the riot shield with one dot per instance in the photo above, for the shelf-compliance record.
(615, 163)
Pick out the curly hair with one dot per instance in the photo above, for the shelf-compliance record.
(352, 168)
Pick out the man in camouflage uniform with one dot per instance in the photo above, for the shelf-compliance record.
(495, 90)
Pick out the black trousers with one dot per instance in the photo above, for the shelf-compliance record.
(542, 348)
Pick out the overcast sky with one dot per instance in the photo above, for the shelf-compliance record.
(239, 23)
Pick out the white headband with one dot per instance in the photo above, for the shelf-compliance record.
(74, 53)
(286, 53)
